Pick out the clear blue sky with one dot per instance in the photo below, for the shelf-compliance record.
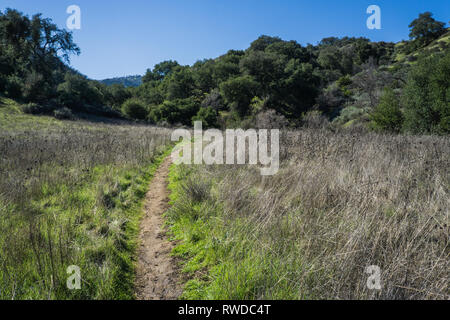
(126, 37)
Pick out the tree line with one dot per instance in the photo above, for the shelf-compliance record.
(348, 81)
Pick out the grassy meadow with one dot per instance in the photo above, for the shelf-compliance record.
(70, 194)
(342, 201)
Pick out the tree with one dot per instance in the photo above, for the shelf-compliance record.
(117, 94)
(426, 97)
(208, 117)
(134, 109)
(265, 68)
(263, 42)
(160, 71)
(180, 84)
(179, 111)
(238, 93)
(425, 29)
(387, 116)
(33, 51)
(329, 58)
(77, 91)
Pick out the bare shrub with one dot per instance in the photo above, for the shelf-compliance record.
(315, 120)
(270, 119)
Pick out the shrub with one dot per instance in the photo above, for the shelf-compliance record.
(13, 87)
(208, 116)
(350, 115)
(135, 109)
(270, 119)
(387, 116)
(426, 97)
(238, 93)
(314, 119)
(214, 100)
(175, 111)
(63, 114)
(77, 91)
(32, 108)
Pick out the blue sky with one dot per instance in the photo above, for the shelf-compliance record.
(126, 37)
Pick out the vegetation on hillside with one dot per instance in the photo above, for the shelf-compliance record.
(342, 78)
(129, 81)
(34, 54)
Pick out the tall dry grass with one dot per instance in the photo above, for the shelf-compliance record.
(68, 194)
(342, 201)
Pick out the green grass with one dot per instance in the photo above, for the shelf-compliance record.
(431, 49)
(74, 207)
(12, 117)
(225, 260)
(100, 217)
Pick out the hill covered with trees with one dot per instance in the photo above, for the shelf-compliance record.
(350, 82)
(129, 81)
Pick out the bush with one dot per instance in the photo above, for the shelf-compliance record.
(208, 117)
(134, 109)
(36, 109)
(176, 111)
(387, 116)
(238, 93)
(426, 97)
(214, 100)
(77, 91)
(349, 115)
(32, 108)
(314, 119)
(13, 87)
(63, 114)
(270, 119)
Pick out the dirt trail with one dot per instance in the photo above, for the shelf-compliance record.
(157, 277)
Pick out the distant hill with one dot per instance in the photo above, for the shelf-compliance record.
(129, 81)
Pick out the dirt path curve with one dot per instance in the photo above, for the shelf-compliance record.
(157, 277)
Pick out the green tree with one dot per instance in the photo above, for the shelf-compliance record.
(134, 109)
(77, 91)
(160, 71)
(425, 29)
(208, 116)
(180, 84)
(426, 97)
(238, 93)
(265, 68)
(179, 111)
(117, 94)
(34, 51)
(387, 116)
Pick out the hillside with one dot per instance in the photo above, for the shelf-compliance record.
(129, 81)
(439, 45)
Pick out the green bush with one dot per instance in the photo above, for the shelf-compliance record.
(349, 115)
(135, 109)
(208, 116)
(178, 111)
(239, 92)
(426, 97)
(13, 87)
(387, 116)
(63, 114)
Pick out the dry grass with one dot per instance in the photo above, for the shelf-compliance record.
(69, 195)
(340, 203)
